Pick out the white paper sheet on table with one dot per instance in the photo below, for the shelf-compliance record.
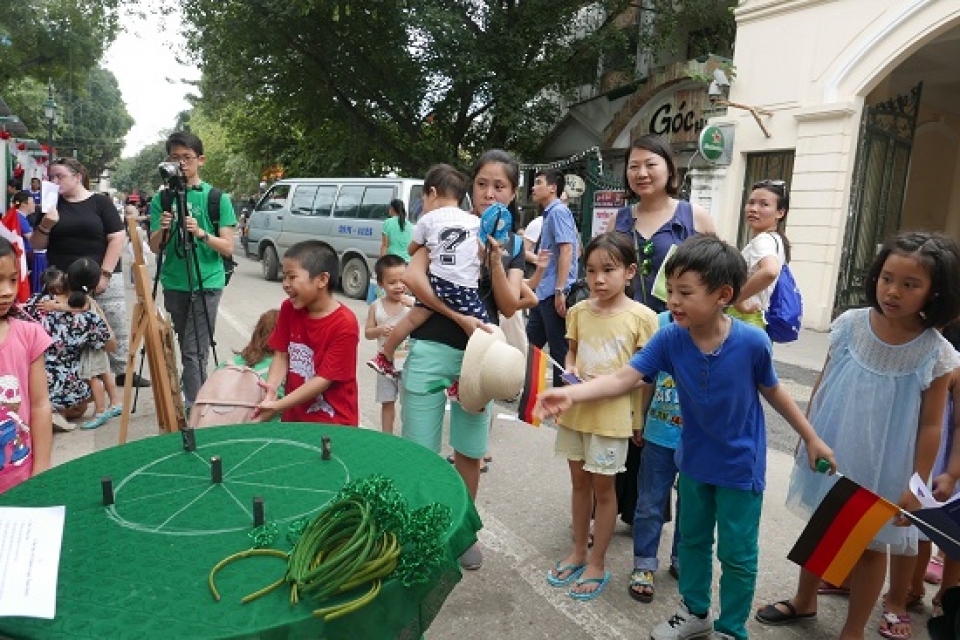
(30, 540)
(49, 194)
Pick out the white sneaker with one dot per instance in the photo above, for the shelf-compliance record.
(683, 625)
(719, 635)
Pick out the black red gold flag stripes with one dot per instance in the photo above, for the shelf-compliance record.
(534, 382)
(840, 529)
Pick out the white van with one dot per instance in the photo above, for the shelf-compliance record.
(347, 213)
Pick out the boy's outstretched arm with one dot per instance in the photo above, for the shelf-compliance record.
(555, 401)
(783, 404)
(276, 376)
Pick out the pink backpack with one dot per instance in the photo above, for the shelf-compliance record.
(229, 396)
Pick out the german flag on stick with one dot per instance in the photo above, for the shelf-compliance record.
(534, 382)
(841, 528)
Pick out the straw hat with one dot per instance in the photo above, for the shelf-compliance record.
(491, 370)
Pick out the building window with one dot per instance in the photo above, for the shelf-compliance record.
(774, 165)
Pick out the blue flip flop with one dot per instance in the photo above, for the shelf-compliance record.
(98, 421)
(590, 595)
(574, 569)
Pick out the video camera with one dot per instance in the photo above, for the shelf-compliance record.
(172, 174)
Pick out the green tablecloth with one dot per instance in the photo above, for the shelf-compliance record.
(139, 569)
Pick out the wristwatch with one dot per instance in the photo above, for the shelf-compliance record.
(559, 291)
(204, 237)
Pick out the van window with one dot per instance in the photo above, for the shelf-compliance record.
(348, 202)
(415, 204)
(275, 198)
(376, 203)
(323, 203)
(302, 203)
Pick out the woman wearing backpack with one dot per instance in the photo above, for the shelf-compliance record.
(766, 253)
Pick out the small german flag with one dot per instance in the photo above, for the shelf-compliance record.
(534, 382)
(840, 529)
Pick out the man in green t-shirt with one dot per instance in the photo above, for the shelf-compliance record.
(191, 298)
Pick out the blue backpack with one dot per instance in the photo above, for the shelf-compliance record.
(786, 307)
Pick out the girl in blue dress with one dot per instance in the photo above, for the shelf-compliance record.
(879, 404)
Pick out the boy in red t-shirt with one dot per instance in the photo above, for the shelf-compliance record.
(315, 343)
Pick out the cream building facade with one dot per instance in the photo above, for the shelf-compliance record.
(864, 97)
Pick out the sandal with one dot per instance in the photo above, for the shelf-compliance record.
(774, 617)
(914, 601)
(113, 411)
(573, 572)
(829, 589)
(583, 596)
(934, 574)
(641, 585)
(937, 608)
(98, 421)
(889, 619)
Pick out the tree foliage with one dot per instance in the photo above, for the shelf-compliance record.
(58, 39)
(95, 123)
(356, 87)
(139, 173)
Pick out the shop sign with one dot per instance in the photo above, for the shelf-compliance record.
(675, 114)
(711, 144)
(605, 207)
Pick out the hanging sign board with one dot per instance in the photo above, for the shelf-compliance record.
(605, 206)
(716, 144)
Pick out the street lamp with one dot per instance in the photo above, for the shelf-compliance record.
(50, 112)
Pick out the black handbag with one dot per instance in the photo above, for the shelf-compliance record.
(578, 292)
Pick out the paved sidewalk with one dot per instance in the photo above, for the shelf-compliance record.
(524, 502)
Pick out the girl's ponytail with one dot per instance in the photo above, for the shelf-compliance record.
(82, 279)
(397, 205)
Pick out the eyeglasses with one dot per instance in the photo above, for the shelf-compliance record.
(646, 266)
(183, 158)
(776, 184)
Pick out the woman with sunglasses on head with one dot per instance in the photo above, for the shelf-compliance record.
(87, 224)
(657, 222)
(766, 253)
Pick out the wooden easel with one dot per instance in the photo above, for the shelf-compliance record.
(150, 328)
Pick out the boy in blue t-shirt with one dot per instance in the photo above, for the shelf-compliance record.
(721, 367)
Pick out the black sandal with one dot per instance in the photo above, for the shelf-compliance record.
(772, 616)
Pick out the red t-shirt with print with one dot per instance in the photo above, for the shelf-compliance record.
(324, 347)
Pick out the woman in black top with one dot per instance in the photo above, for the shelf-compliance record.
(87, 224)
(437, 350)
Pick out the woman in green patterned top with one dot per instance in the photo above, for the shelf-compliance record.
(396, 232)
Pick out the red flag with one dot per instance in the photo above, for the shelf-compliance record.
(840, 529)
(10, 230)
(534, 382)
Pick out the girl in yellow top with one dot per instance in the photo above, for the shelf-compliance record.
(604, 331)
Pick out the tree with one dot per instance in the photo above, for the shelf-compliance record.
(355, 87)
(95, 122)
(224, 167)
(139, 173)
(57, 39)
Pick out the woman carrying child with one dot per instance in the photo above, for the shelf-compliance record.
(604, 332)
(892, 361)
(437, 352)
(22, 346)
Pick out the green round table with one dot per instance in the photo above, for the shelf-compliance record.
(138, 569)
